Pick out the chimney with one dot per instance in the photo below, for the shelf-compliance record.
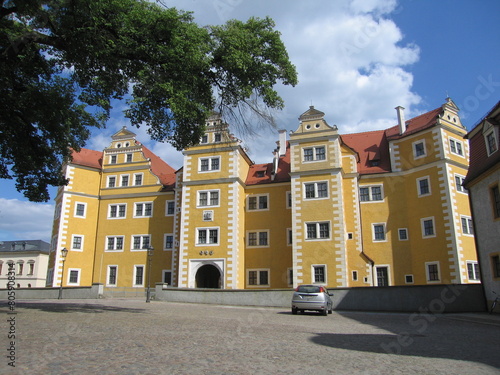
(282, 143)
(401, 119)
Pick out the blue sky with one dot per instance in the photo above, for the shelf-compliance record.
(356, 59)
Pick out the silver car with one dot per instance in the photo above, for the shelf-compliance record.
(312, 297)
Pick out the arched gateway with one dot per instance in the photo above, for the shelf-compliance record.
(208, 276)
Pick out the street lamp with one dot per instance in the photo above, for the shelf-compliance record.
(64, 252)
(150, 256)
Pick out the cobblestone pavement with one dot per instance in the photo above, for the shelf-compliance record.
(115, 336)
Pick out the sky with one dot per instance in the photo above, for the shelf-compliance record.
(356, 61)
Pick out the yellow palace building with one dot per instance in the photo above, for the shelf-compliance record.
(379, 208)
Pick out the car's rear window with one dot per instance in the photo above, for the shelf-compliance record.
(308, 289)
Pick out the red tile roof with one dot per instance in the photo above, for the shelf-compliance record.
(87, 158)
(373, 150)
(282, 173)
(416, 124)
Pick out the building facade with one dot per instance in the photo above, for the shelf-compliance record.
(368, 209)
(27, 262)
(483, 184)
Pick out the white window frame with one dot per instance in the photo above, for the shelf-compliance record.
(167, 203)
(419, 190)
(414, 148)
(209, 198)
(388, 267)
(113, 159)
(127, 157)
(165, 248)
(258, 232)
(141, 243)
(314, 153)
(210, 159)
(106, 249)
(370, 193)
(82, 241)
(487, 133)
(108, 274)
(121, 180)
(427, 273)
(135, 179)
(422, 225)
(108, 178)
(257, 196)
(68, 276)
(399, 234)
(313, 274)
(134, 285)
(204, 139)
(117, 211)
(475, 270)
(84, 210)
(259, 285)
(207, 230)
(458, 145)
(412, 279)
(469, 225)
(163, 273)
(459, 187)
(315, 185)
(317, 223)
(143, 210)
(384, 227)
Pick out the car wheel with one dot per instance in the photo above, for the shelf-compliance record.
(324, 312)
(330, 310)
(294, 311)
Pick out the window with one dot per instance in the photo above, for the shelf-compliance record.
(288, 199)
(423, 186)
(117, 211)
(316, 190)
(257, 202)
(459, 181)
(467, 227)
(138, 275)
(491, 143)
(144, 209)
(217, 137)
(124, 180)
(167, 277)
(112, 275)
(128, 158)
(140, 242)
(354, 275)
(111, 181)
(112, 159)
(473, 270)
(432, 271)
(258, 277)
(379, 232)
(20, 268)
(314, 153)
(77, 242)
(208, 198)
(80, 209)
(114, 243)
(428, 227)
(403, 234)
(456, 147)
(495, 197)
(169, 242)
(204, 139)
(495, 262)
(138, 179)
(408, 279)
(319, 274)
(289, 237)
(258, 239)
(382, 276)
(208, 236)
(320, 230)
(209, 164)
(290, 276)
(371, 193)
(170, 208)
(31, 267)
(419, 149)
(74, 276)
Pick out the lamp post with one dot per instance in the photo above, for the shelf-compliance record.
(64, 252)
(150, 256)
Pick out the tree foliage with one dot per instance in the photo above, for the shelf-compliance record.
(63, 61)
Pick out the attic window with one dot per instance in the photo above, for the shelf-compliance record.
(118, 145)
(261, 173)
(375, 163)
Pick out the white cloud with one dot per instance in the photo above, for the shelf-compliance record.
(21, 220)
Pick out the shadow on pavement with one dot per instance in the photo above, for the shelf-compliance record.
(75, 307)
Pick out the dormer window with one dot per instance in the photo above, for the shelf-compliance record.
(261, 173)
(491, 142)
(217, 137)
(375, 163)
